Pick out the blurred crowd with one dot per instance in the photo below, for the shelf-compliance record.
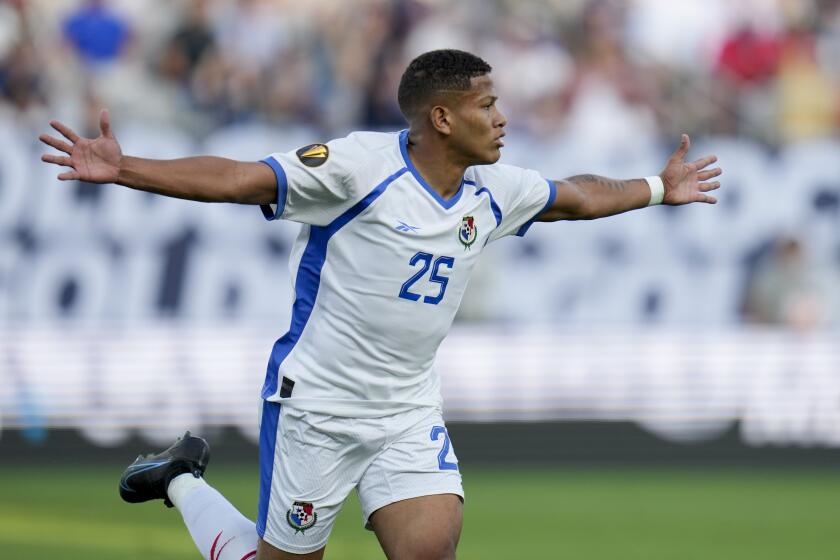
(585, 81)
(596, 69)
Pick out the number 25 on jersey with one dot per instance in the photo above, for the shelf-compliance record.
(425, 260)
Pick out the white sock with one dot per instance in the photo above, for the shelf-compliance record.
(218, 529)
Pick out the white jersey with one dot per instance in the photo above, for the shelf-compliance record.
(379, 269)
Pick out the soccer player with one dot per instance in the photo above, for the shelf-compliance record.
(393, 225)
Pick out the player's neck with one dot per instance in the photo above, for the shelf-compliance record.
(435, 165)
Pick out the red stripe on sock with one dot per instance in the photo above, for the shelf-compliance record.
(223, 547)
(215, 556)
(213, 548)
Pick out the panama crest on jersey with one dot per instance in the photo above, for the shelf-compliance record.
(301, 516)
(467, 231)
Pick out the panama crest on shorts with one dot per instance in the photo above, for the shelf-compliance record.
(467, 232)
(301, 516)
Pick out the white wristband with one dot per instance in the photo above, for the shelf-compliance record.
(657, 190)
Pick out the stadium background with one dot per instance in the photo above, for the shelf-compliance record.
(660, 384)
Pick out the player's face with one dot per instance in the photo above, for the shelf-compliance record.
(478, 126)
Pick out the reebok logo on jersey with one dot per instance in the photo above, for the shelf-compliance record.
(313, 155)
(405, 227)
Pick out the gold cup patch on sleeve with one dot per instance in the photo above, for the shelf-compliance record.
(313, 155)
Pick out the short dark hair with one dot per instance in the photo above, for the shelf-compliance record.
(435, 71)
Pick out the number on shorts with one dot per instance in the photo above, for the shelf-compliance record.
(442, 462)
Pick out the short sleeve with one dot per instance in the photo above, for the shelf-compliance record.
(521, 194)
(314, 183)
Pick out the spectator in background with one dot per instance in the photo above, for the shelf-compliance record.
(254, 32)
(10, 27)
(387, 27)
(21, 81)
(533, 56)
(255, 63)
(191, 62)
(828, 39)
(104, 65)
(748, 58)
(786, 289)
(361, 69)
(21, 69)
(612, 100)
(191, 42)
(253, 36)
(746, 69)
(807, 96)
(97, 34)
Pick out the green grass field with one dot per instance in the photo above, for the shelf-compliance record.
(514, 513)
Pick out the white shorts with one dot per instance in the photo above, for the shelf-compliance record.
(310, 462)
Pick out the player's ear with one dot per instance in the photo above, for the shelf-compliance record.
(441, 119)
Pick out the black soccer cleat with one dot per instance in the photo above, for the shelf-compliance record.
(148, 477)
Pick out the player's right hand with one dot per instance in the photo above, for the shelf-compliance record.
(94, 161)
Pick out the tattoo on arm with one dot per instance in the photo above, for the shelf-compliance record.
(612, 184)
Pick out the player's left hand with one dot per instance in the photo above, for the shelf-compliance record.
(689, 182)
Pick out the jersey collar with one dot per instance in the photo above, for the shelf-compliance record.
(453, 200)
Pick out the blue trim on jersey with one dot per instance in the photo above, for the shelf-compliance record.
(440, 200)
(308, 281)
(268, 443)
(282, 187)
(497, 212)
(552, 194)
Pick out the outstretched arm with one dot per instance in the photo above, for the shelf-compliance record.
(204, 178)
(586, 197)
